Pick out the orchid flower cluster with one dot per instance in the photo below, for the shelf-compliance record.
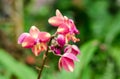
(58, 43)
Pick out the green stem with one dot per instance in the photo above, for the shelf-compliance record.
(44, 58)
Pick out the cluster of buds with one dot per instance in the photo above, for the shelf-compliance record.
(59, 44)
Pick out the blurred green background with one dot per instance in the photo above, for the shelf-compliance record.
(97, 20)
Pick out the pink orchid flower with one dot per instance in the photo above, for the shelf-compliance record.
(67, 62)
(35, 40)
(65, 26)
(72, 49)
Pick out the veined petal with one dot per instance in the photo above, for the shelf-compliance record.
(68, 48)
(72, 49)
(22, 37)
(63, 29)
(70, 56)
(34, 31)
(75, 50)
(44, 36)
(28, 42)
(55, 21)
(67, 64)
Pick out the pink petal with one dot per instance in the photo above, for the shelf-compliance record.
(67, 64)
(58, 14)
(76, 31)
(56, 50)
(68, 48)
(44, 36)
(60, 64)
(72, 49)
(28, 42)
(61, 40)
(63, 29)
(70, 56)
(55, 21)
(72, 27)
(34, 31)
(75, 50)
(22, 37)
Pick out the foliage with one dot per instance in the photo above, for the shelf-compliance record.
(12, 68)
(99, 25)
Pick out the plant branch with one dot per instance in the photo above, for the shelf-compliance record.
(44, 58)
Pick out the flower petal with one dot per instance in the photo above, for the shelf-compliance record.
(60, 64)
(55, 21)
(63, 29)
(76, 31)
(72, 49)
(34, 31)
(74, 39)
(68, 48)
(36, 50)
(67, 64)
(28, 42)
(70, 56)
(22, 37)
(72, 26)
(75, 50)
(43, 46)
(44, 36)
(61, 40)
(56, 50)
(59, 14)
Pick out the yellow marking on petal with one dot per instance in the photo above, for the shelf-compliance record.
(74, 39)
(24, 44)
(35, 51)
(43, 46)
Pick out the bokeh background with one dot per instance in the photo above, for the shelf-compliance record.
(97, 20)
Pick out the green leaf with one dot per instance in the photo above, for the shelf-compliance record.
(86, 74)
(109, 72)
(115, 53)
(100, 18)
(18, 69)
(3, 77)
(114, 29)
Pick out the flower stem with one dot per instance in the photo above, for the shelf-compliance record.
(44, 58)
